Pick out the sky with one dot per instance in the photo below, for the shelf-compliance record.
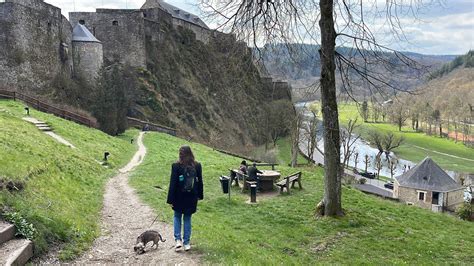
(443, 29)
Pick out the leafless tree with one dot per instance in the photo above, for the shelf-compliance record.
(393, 166)
(366, 161)
(295, 137)
(279, 116)
(385, 142)
(356, 159)
(398, 114)
(310, 133)
(260, 22)
(348, 138)
(378, 165)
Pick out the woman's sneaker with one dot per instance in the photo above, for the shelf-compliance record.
(187, 247)
(179, 244)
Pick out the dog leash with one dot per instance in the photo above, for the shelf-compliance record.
(154, 220)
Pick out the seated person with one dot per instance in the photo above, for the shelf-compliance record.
(252, 172)
(243, 167)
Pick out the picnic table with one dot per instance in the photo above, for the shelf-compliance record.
(267, 179)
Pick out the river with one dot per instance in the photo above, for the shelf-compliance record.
(360, 146)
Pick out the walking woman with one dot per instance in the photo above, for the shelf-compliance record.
(185, 189)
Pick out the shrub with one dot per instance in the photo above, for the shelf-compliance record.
(23, 228)
(362, 181)
(465, 212)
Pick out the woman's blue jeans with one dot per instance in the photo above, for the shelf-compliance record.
(186, 218)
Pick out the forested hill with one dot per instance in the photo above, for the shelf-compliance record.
(462, 61)
(300, 63)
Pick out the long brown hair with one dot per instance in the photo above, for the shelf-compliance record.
(186, 156)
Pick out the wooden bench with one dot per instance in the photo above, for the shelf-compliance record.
(267, 164)
(285, 182)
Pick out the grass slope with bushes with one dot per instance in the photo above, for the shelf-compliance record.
(416, 145)
(64, 187)
(283, 230)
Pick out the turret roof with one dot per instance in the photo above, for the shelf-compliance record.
(427, 175)
(81, 34)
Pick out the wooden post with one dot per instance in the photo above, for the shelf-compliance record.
(229, 186)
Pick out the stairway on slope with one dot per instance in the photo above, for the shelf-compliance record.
(13, 251)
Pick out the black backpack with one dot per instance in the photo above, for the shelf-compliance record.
(189, 178)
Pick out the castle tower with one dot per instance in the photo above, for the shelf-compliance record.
(87, 54)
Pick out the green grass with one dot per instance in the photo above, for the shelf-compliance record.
(410, 149)
(64, 186)
(282, 229)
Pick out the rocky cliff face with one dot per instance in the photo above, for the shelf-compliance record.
(211, 92)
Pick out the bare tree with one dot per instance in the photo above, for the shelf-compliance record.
(295, 138)
(366, 161)
(310, 133)
(398, 114)
(378, 165)
(261, 22)
(356, 159)
(391, 142)
(385, 143)
(364, 111)
(393, 165)
(348, 138)
(279, 116)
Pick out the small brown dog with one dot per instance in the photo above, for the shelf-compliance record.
(144, 238)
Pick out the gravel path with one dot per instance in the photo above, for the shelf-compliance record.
(124, 218)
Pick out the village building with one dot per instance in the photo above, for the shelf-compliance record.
(428, 186)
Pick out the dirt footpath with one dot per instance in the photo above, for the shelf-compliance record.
(123, 219)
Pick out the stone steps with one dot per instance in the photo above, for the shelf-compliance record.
(13, 251)
(39, 124)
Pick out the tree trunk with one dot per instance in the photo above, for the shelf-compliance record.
(295, 142)
(416, 125)
(332, 173)
(456, 131)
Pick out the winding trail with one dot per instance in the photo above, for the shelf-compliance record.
(124, 218)
(442, 153)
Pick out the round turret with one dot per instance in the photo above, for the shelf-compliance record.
(87, 54)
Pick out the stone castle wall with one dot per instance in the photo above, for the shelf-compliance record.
(87, 58)
(36, 41)
(201, 33)
(122, 33)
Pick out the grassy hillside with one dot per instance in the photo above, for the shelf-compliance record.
(63, 186)
(282, 229)
(417, 145)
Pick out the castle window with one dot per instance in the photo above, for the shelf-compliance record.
(144, 14)
(115, 23)
(49, 26)
(421, 195)
(82, 22)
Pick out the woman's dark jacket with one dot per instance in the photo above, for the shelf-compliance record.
(184, 202)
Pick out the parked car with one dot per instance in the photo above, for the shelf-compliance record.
(388, 185)
(368, 175)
